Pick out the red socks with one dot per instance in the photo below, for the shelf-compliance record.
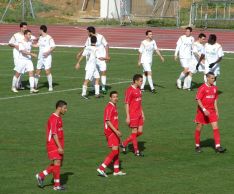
(47, 171)
(56, 173)
(197, 137)
(116, 163)
(108, 159)
(216, 137)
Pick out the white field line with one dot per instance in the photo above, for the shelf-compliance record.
(59, 91)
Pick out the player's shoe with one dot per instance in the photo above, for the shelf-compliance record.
(101, 172)
(124, 149)
(198, 149)
(59, 188)
(33, 91)
(138, 153)
(178, 84)
(120, 173)
(153, 91)
(98, 96)
(39, 181)
(85, 97)
(14, 90)
(220, 150)
(50, 89)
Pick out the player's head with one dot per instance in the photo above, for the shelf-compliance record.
(210, 76)
(137, 80)
(212, 39)
(27, 34)
(91, 30)
(188, 31)
(61, 107)
(202, 38)
(149, 34)
(43, 28)
(114, 97)
(23, 26)
(93, 40)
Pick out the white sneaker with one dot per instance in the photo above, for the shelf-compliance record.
(178, 83)
(50, 89)
(59, 188)
(120, 173)
(33, 91)
(39, 181)
(14, 90)
(101, 173)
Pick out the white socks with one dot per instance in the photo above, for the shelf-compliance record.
(36, 79)
(187, 82)
(150, 82)
(182, 76)
(97, 89)
(31, 82)
(14, 82)
(49, 78)
(143, 83)
(84, 90)
(103, 80)
(205, 80)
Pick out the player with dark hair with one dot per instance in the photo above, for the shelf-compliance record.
(54, 145)
(134, 114)
(207, 112)
(112, 133)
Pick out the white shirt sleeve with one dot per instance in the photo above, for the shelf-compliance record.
(142, 46)
(220, 52)
(178, 45)
(85, 52)
(51, 42)
(87, 42)
(104, 42)
(12, 40)
(155, 46)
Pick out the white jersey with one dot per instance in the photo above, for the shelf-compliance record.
(184, 47)
(212, 52)
(25, 46)
(16, 39)
(100, 44)
(91, 54)
(45, 43)
(147, 49)
(198, 49)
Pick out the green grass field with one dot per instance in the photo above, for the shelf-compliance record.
(170, 164)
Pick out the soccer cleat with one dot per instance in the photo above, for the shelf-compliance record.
(33, 91)
(220, 150)
(50, 89)
(124, 149)
(39, 181)
(138, 153)
(120, 173)
(59, 188)
(153, 91)
(101, 173)
(97, 96)
(178, 83)
(85, 97)
(198, 149)
(14, 90)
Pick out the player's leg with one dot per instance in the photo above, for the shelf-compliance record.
(103, 81)
(32, 82)
(84, 89)
(41, 176)
(144, 75)
(150, 80)
(139, 133)
(117, 171)
(14, 82)
(19, 84)
(96, 76)
(132, 138)
(188, 81)
(56, 174)
(184, 63)
(197, 135)
(49, 79)
(37, 77)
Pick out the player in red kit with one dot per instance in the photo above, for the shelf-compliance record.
(112, 133)
(135, 115)
(207, 112)
(54, 145)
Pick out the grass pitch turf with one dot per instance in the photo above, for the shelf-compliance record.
(170, 164)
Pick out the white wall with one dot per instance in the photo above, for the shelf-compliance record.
(113, 10)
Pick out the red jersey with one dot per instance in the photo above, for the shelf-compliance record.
(207, 95)
(133, 97)
(54, 127)
(110, 114)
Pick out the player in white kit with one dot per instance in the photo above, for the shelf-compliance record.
(24, 63)
(213, 55)
(46, 45)
(146, 51)
(184, 49)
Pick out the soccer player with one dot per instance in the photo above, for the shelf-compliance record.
(146, 50)
(197, 63)
(103, 52)
(134, 114)
(92, 54)
(24, 62)
(54, 145)
(46, 46)
(213, 55)
(207, 112)
(184, 49)
(113, 134)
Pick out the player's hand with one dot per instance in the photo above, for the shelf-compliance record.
(107, 59)
(60, 151)
(197, 66)
(118, 133)
(128, 120)
(162, 59)
(175, 58)
(207, 113)
(34, 55)
(143, 117)
(77, 66)
(212, 65)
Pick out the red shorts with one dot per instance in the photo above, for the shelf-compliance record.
(112, 140)
(54, 155)
(201, 118)
(135, 122)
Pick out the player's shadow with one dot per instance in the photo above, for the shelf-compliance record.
(196, 85)
(63, 179)
(141, 146)
(45, 85)
(208, 143)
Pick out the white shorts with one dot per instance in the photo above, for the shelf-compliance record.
(44, 63)
(16, 61)
(185, 63)
(24, 66)
(90, 74)
(192, 67)
(146, 67)
(215, 69)
(101, 65)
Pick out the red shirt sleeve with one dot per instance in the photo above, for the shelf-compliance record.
(128, 96)
(53, 126)
(200, 93)
(108, 113)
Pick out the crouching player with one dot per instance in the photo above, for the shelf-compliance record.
(55, 146)
(207, 112)
(113, 135)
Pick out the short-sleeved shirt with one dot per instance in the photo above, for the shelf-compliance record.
(207, 95)
(213, 52)
(184, 47)
(133, 97)
(54, 127)
(198, 48)
(91, 54)
(147, 49)
(25, 46)
(110, 114)
(45, 43)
